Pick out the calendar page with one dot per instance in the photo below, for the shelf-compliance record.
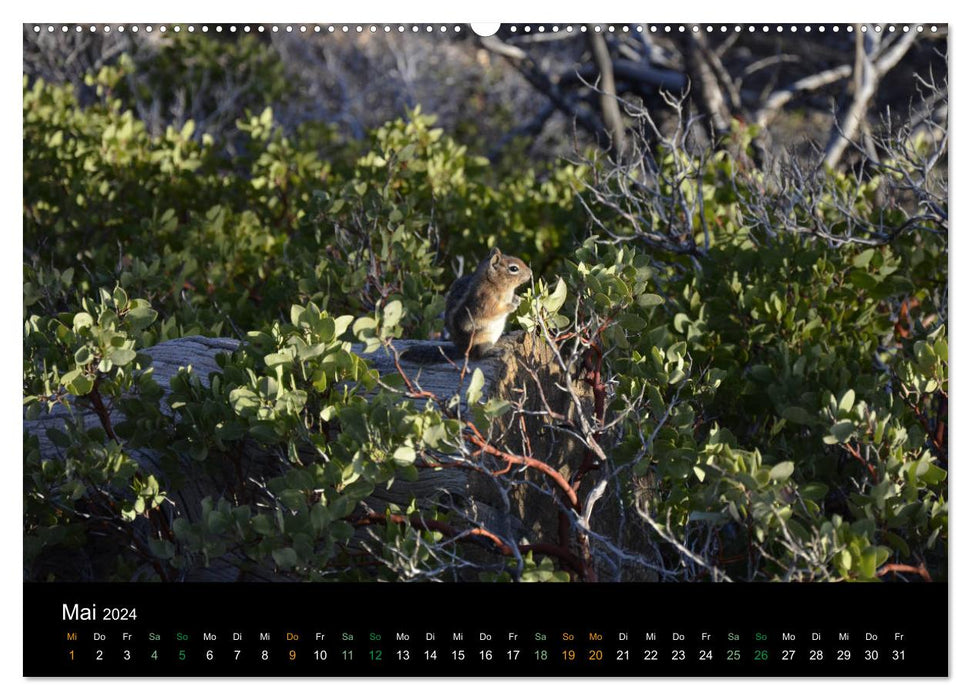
(337, 335)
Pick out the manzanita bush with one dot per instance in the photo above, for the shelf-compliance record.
(769, 389)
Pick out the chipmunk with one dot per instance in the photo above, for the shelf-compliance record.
(477, 305)
(476, 308)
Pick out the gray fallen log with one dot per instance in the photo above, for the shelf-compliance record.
(443, 487)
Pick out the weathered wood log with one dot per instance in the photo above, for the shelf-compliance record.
(514, 502)
(476, 496)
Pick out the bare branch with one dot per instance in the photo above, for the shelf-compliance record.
(705, 79)
(778, 99)
(870, 67)
(608, 96)
(538, 78)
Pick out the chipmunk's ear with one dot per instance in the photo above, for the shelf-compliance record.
(495, 257)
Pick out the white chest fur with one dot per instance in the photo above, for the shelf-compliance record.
(491, 330)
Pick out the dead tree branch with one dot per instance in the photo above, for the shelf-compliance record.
(870, 66)
(608, 94)
(541, 81)
(703, 76)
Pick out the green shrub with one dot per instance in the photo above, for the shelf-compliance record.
(771, 406)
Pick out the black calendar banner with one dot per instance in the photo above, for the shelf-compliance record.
(645, 630)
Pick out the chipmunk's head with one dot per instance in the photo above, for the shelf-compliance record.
(507, 271)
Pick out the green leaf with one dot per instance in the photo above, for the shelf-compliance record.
(929, 473)
(434, 435)
(554, 301)
(898, 543)
(326, 330)
(392, 313)
(868, 563)
(83, 356)
(799, 415)
(58, 437)
(264, 431)
(285, 558)
(926, 359)
(782, 471)
(120, 297)
(405, 455)
(494, 408)
(648, 300)
(846, 403)
(845, 559)
(814, 491)
(864, 258)
(122, 356)
(474, 392)
(364, 327)
(631, 322)
(676, 351)
(278, 358)
(163, 549)
(341, 324)
(862, 280)
(78, 383)
(141, 317)
(680, 320)
(263, 525)
(82, 320)
(244, 400)
(840, 432)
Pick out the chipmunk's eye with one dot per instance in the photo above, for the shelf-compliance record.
(514, 268)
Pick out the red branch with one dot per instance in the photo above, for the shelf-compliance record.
(594, 378)
(564, 555)
(937, 433)
(436, 525)
(902, 326)
(855, 451)
(940, 434)
(413, 393)
(905, 569)
(473, 435)
(476, 438)
(100, 410)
